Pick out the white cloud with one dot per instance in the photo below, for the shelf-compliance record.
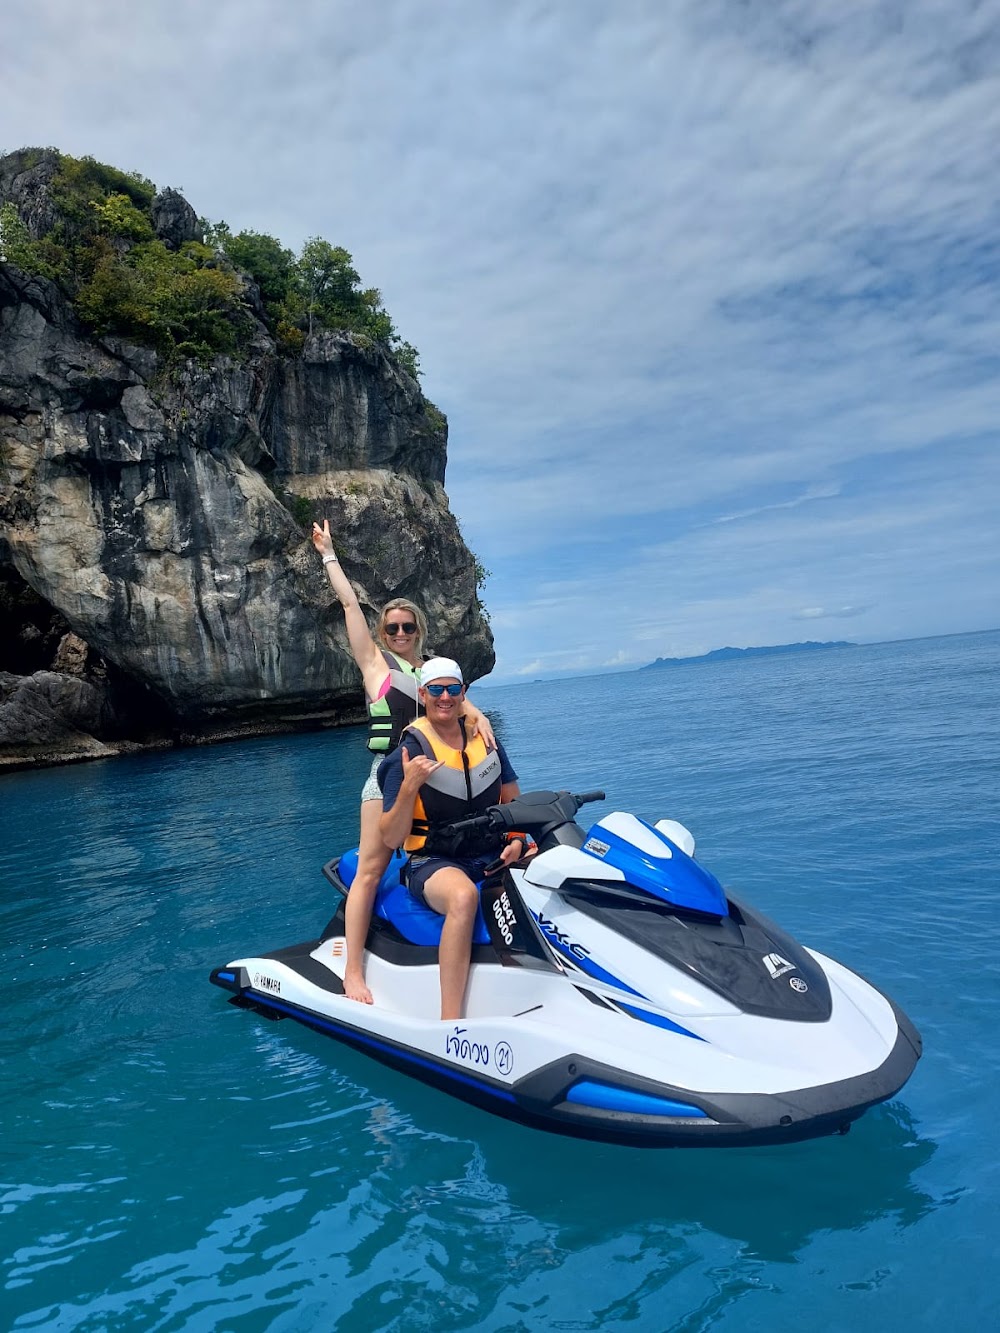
(813, 493)
(833, 613)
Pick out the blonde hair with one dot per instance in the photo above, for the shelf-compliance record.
(401, 604)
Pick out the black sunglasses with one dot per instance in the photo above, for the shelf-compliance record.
(406, 627)
(436, 691)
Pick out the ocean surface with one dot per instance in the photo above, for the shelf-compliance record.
(168, 1162)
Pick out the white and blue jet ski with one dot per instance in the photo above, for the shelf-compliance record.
(615, 993)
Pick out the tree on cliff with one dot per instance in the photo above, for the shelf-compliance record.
(318, 288)
(137, 264)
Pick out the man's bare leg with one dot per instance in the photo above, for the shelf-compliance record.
(451, 892)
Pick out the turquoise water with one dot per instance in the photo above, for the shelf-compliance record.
(168, 1162)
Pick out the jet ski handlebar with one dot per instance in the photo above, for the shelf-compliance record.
(588, 797)
(534, 811)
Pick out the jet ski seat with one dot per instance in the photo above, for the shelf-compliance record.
(395, 904)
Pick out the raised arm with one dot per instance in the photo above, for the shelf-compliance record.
(364, 649)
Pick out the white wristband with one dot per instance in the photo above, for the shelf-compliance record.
(330, 559)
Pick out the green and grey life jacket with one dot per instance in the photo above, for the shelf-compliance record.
(397, 708)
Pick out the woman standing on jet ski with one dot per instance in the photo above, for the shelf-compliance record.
(389, 672)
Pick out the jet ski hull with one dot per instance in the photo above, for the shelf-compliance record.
(566, 1088)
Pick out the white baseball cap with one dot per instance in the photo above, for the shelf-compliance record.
(441, 668)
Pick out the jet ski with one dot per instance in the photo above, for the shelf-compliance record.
(616, 993)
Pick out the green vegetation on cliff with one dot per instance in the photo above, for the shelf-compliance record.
(318, 288)
(100, 242)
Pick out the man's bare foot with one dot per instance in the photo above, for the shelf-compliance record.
(355, 989)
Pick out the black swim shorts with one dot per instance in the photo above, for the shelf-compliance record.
(420, 868)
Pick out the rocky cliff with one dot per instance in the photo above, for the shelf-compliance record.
(156, 577)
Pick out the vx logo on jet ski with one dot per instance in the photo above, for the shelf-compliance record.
(560, 937)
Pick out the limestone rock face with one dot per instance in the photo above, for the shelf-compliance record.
(163, 515)
(339, 390)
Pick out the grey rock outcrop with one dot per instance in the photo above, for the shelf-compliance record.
(174, 220)
(162, 517)
(50, 717)
(25, 181)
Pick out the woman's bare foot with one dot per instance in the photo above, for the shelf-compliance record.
(355, 988)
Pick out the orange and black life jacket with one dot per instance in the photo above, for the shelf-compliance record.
(467, 782)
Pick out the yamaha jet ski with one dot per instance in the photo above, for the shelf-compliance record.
(616, 993)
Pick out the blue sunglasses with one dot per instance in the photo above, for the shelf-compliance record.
(436, 691)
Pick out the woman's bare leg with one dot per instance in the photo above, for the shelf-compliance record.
(453, 894)
(373, 857)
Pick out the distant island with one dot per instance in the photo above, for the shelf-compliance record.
(724, 654)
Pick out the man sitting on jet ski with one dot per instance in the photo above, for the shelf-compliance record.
(439, 775)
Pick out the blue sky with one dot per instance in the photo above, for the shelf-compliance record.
(709, 290)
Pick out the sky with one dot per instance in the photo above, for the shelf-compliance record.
(709, 290)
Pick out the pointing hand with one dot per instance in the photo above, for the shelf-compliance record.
(321, 538)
